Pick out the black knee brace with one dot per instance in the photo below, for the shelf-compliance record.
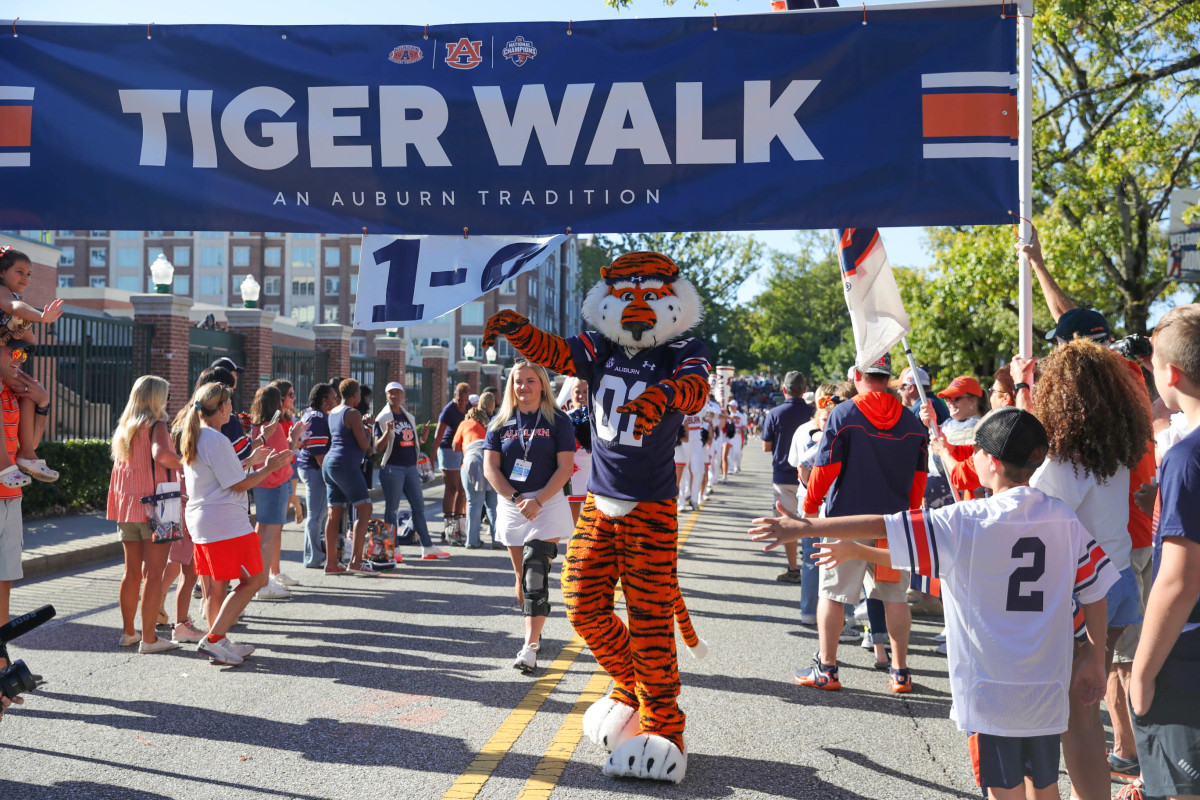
(535, 576)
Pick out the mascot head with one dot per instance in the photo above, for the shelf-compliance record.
(641, 301)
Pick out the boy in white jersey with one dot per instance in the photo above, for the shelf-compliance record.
(1008, 566)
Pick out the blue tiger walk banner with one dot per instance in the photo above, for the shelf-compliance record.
(763, 121)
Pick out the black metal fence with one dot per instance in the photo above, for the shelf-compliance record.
(304, 368)
(371, 372)
(88, 365)
(206, 346)
(418, 392)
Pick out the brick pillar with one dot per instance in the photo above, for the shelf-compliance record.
(395, 350)
(471, 370)
(170, 342)
(491, 376)
(335, 340)
(259, 344)
(439, 359)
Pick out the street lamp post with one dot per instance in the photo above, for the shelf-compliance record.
(250, 292)
(490, 355)
(162, 273)
(468, 350)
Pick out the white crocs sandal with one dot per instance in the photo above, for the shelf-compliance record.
(13, 478)
(36, 468)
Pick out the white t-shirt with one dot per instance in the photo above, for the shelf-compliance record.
(1103, 508)
(214, 512)
(1178, 429)
(1008, 566)
(802, 440)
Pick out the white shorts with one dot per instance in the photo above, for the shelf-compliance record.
(12, 540)
(786, 495)
(579, 478)
(553, 521)
(844, 582)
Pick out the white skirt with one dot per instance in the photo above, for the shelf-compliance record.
(553, 521)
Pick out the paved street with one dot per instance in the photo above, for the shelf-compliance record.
(400, 687)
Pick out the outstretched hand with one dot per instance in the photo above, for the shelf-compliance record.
(648, 407)
(502, 323)
(52, 311)
(779, 530)
(1031, 249)
(835, 551)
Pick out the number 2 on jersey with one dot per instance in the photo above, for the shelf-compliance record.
(611, 394)
(1028, 573)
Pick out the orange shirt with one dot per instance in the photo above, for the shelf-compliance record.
(468, 431)
(12, 421)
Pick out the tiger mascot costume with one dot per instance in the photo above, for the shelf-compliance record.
(642, 380)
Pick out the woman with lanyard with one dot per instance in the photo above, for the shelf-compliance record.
(396, 437)
(528, 456)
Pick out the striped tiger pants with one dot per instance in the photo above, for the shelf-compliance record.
(638, 549)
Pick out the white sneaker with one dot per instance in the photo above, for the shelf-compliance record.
(860, 612)
(866, 640)
(243, 650)
(526, 660)
(159, 645)
(273, 591)
(285, 580)
(848, 634)
(808, 619)
(186, 632)
(219, 652)
(129, 639)
(941, 637)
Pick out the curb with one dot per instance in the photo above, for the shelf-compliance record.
(91, 551)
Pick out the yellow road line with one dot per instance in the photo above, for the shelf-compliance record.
(471, 781)
(550, 768)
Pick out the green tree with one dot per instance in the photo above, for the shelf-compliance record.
(717, 264)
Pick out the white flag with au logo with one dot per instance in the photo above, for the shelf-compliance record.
(876, 311)
(403, 280)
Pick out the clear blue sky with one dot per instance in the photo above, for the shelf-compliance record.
(904, 245)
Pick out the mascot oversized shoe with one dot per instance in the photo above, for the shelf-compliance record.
(610, 723)
(647, 756)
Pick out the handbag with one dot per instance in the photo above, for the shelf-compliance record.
(163, 508)
(425, 468)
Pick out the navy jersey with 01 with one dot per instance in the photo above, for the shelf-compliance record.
(623, 467)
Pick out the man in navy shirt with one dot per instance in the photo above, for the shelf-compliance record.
(1166, 666)
(782, 421)
(871, 460)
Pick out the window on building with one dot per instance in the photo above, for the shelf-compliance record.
(212, 256)
(64, 233)
(504, 350)
(333, 256)
(97, 233)
(183, 285)
(444, 319)
(241, 233)
(129, 283)
(154, 234)
(66, 281)
(330, 313)
(67, 257)
(98, 283)
(304, 236)
(304, 287)
(272, 307)
(181, 256)
(358, 345)
(533, 317)
(472, 313)
(127, 234)
(98, 256)
(271, 284)
(354, 285)
(509, 286)
(332, 285)
(211, 285)
(241, 256)
(533, 284)
(354, 254)
(476, 341)
(129, 257)
(304, 257)
(211, 235)
(272, 233)
(304, 314)
(272, 256)
(506, 307)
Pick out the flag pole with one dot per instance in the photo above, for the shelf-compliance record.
(912, 365)
(1025, 170)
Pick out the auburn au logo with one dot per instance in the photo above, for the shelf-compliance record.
(464, 54)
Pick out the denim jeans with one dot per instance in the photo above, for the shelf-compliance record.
(400, 481)
(477, 502)
(810, 576)
(317, 503)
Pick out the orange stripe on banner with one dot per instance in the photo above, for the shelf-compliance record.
(15, 123)
(969, 114)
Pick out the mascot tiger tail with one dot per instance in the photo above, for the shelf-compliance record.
(643, 377)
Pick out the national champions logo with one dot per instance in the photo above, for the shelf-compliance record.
(519, 51)
(406, 54)
(464, 54)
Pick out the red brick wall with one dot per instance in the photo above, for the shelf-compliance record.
(169, 345)
(335, 340)
(255, 325)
